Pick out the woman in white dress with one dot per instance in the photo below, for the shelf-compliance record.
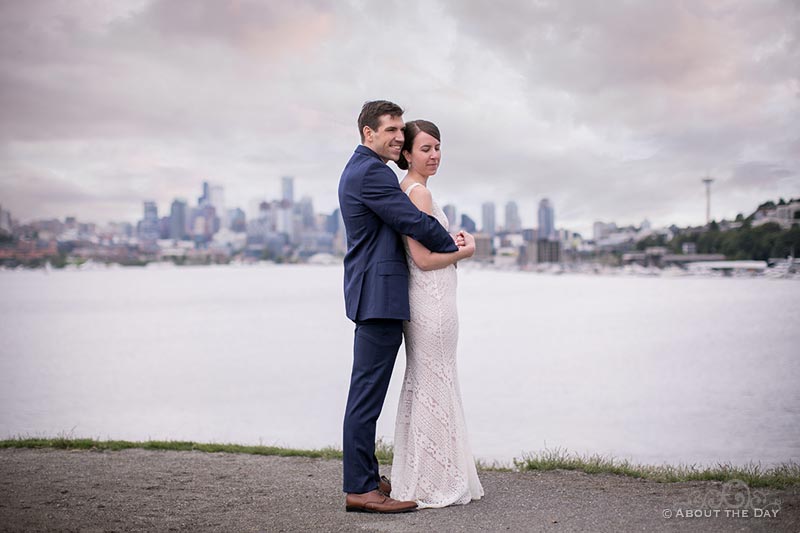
(433, 464)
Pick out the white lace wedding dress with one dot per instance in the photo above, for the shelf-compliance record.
(433, 464)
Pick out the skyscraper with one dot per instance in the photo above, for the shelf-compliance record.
(287, 189)
(468, 224)
(450, 213)
(547, 228)
(513, 223)
(304, 209)
(216, 199)
(177, 220)
(202, 200)
(237, 221)
(149, 226)
(488, 218)
(332, 222)
(5, 222)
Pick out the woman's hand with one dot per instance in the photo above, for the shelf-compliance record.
(469, 243)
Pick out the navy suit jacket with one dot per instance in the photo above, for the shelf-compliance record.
(376, 213)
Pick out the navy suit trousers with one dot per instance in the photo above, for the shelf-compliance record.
(374, 352)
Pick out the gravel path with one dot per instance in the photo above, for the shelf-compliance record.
(139, 490)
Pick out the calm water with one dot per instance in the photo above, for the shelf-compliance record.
(679, 370)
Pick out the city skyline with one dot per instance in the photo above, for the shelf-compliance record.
(106, 105)
(213, 194)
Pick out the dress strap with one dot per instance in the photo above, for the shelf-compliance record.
(408, 191)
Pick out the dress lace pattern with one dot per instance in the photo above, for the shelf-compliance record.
(433, 464)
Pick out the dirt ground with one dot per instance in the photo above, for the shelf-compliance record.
(139, 490)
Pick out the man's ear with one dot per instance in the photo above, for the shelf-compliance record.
(367, 133)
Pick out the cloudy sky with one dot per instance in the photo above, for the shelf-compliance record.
(613, 110)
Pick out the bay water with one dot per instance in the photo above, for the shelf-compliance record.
(684, 370)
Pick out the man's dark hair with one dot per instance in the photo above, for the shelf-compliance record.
(372, 112)
(413, 127)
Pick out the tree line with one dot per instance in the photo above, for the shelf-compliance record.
(743, 242)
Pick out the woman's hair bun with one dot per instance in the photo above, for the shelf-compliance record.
(402, 162)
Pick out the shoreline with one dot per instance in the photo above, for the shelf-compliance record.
(780, 476)
(50, 489)
(734, 269)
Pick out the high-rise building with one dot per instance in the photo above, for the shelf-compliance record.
(216, 197)
(513, 223)
(548, 251)
(163, 227)
(529, 235)
(601, 230)
(202, 200)
(287, 189)
(340, 239)
(450, 213)
(284, 219)
(5, 222)
(150, 224)
(483, 247)
(177, 220)
(237, 221)
(205, 223)
(488, 218)
(467, 224)
(305, 209)
(332, 222)
(547, 228)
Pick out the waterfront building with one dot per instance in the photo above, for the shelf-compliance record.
(177, 220)
(332, 222)
(513, 224)
(203, 199)
(149, 225)
(467, 224)
(237, 221)
(488, 212)
(784, 214)
(601, 230)
(216, 199)
(530, 235)
(305, 210)
(548, 251)
(450, 213)
(287, 189)
(483, 247)
(546, 217)
(5, 222)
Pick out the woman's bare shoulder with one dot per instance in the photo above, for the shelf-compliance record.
(418, 191)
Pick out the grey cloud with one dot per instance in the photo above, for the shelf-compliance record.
(237, 23)
(36, 191)
(612, 110)
(759, 174)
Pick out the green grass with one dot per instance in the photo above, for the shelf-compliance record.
(754, 475)
(65, 443)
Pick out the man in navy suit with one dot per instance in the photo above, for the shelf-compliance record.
(376, 213)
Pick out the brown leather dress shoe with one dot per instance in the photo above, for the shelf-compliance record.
(385, 486)
(375, 502)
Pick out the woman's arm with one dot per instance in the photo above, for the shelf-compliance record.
(424, 258)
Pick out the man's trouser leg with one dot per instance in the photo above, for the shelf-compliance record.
(374, 353)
